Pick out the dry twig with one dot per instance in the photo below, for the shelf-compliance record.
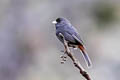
(75, 61)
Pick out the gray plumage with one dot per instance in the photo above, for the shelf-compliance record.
(70, 33)
(64, 27)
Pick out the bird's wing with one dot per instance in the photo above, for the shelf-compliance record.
(71, 30)
(74, 33)
(69, 37)
(77, 38)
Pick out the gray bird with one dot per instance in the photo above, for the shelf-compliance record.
(64, 27)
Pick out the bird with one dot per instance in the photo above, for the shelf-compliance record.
(71, 35)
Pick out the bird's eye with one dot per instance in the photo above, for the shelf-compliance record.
(58, 20)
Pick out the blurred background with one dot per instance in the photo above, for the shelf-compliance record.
(29, 49)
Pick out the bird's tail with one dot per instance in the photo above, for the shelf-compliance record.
(85, 55)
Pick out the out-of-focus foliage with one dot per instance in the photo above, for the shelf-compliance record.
(104, 13)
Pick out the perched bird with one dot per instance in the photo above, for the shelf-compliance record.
(64, 27)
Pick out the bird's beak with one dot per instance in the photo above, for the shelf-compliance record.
(54, 22)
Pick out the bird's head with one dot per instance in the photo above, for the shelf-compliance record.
(61, 21)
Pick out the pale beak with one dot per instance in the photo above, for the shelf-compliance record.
(54, 22)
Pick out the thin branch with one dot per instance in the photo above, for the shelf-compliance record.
(75, 61)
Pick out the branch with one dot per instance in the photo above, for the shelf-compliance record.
(75, 61)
